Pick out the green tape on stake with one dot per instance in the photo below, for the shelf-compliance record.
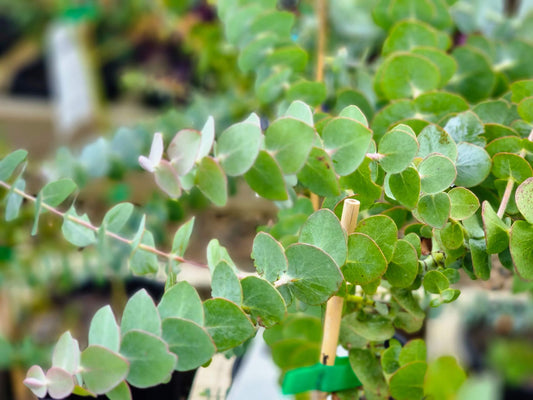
(321, 377)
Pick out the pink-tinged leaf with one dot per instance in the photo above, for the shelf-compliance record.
(146, 164)
(60, 383)
(167, 179)
(36, 381)
(207, 139)
(156, 151)
(183, 150)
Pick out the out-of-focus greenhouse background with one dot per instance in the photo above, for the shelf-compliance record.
(84, 85)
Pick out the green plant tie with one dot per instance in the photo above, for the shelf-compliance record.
(326, 378)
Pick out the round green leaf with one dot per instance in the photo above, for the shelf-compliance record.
(9, 163)
(496, 232)
(435, 105)
(269, 257)
(473, 165)
(75, 233)
(225, 283)
(289, 140)
(348, 335)
(348, 98)
(182, 237)
(141, 313)
(104, 330)
(407, 75)
(14, 200)
(318, 175)
(389, 115)
(452, 235)
(323, 230)
(398, 148)
(216, 253)
(434, 209)
(120, 392)
(414, 350)
(237, 147)
(408, 34)
(446, 64)
(464, 203)
(189, 342)
(480, 258)
(434, 139)
(382, 230)
(361, 182)
(508, 165)
(150, 361)
(266, 179)
(408, 381)
(60, 383)
(435, 282)
(524, 109)
(524, 199)
(291, 56)
(365, 262)
(507, 144)
(496, 112)
(212, 181)
(520, 90)
(355, 113)
(115, 219)
(272, 20)
(271, 82)
(466, 127)
(521, 244)
(36, 381)
(389, 358)
(372, 327)
(226, 323)
(405, 187)
(142, 262)
(474, 78)
(66, 354)
(437, 173)
(262, 301)
(54, 193)
(207, 138)
(443, 389)
(183, 150)
(403, 267)
(300, 110)
(312, 93)
(312, 274)
(103, 369)
(367, 369)
(167, 179)
(182, 301)
(347, 140)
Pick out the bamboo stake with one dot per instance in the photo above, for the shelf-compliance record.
(332, 319)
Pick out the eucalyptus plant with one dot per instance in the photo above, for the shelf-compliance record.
(437, 150)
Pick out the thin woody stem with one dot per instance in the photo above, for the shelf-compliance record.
(510, 184)
(90, 226)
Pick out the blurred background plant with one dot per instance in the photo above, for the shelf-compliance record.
(169, 65)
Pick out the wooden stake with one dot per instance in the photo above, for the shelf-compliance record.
(332, 320)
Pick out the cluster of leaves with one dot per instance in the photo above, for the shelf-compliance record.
(263, 35)
(180, 333)
(442, 172)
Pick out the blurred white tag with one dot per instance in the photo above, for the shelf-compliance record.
(70, 78)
